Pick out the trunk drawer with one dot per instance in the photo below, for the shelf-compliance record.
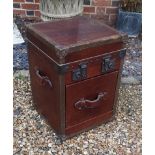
(90, 98)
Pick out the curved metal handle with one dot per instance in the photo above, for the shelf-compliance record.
(89, 104)
(43, 80)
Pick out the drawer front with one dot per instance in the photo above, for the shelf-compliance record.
(90, 99)
(95, 66)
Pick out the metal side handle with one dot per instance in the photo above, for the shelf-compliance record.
(42, 79)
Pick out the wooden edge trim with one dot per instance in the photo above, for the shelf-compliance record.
(99, 119)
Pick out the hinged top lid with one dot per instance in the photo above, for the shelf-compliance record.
(77, 32)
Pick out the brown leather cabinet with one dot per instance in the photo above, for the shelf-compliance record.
(75, 66)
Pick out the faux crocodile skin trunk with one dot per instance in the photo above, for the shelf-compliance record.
(75, 66)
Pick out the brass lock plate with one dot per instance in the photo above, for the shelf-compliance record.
(108, 64)
(80, 73)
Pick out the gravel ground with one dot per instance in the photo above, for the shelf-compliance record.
(122, 136)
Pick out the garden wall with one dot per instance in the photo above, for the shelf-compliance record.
(105, 10)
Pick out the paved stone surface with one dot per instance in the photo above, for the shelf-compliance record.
(130, 80)
(20, 57)
(122, 136)
(17, 37)
(133, 60)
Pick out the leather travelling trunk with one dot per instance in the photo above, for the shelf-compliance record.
(75, 66)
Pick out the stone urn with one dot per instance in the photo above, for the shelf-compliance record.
(58, 9)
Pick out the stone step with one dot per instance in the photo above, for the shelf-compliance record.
(17, 37)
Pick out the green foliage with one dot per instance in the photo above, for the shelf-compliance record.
(21, 77)
(131, 5)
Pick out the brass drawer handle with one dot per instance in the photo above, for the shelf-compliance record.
(42, 79)
(89, 104)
